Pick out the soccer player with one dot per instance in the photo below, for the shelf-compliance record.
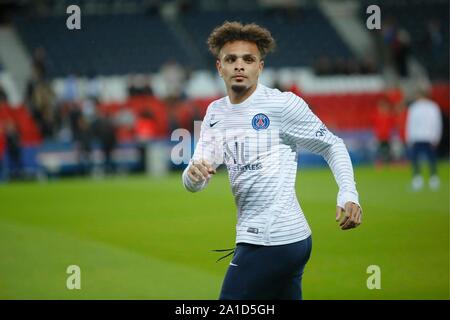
(423, 133)
(256, 132)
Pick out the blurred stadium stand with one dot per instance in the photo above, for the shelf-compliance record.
(293, 30)
(427, 32)
(107, 45)
(128, 57)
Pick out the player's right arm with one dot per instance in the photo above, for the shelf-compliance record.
(196, 176)
(203, 163)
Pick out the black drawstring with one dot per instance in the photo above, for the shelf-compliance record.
(224, 250)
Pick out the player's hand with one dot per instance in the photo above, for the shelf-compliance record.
(350, 217)
(200, 171)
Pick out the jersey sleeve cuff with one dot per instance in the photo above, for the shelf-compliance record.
(346, 196)
(191, 185)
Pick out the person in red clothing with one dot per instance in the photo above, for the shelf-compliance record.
(383, 125)
(396, 99)
(394, 95)
(400, 114)
(146, 129)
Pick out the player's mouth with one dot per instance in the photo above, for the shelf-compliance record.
(239, 78)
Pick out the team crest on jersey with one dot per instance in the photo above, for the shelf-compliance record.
(260, 121)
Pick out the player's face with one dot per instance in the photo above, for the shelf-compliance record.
(239, 65)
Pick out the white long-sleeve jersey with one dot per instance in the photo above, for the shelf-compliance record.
(424, 122)
(258, 140)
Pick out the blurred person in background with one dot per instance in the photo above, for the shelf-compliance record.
(139, 85)
(397, 47)
(146, 130)
(396, 98)
(401, 49)
(13, 151)
(10, 142)
(423, 133)
(104, 131)
(42, 106)
(39, 97)
(39, 63)
(83, 145)
(174, 76)
(173, 115)
(383, 125)
(400, 116)
(74, 113)
(434, 39)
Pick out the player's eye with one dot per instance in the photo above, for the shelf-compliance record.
(230, 59)
(249, 59)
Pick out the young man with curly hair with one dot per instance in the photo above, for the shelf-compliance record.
(256, 132)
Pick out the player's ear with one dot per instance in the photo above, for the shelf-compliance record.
(261, 65)
(219, 66)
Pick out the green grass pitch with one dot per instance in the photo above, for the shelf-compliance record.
(141, 238)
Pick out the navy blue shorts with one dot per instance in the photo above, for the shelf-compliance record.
(266, 272)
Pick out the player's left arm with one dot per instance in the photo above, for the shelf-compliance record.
(303, 129)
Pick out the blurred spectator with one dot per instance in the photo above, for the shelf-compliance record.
(3, 96)
(32, 82)
(400, 115)
(396, 99)
(434, 48)
(397, 41)
(324, 65)
(83, 144)
(146, 126)
(125, 120)
(368, 66)
(423, 133)
(434, 39)
(139, 85)
(13, 151)
(174, 76)
(10, 143)
(340, 66)
(70, 93)
(88, 109)
(146, 129)
(74, 114)
(383, 129)
(93, 87)
(104, 132)
(401, 50)
(394, 95)
(39, 97)
(40, 62)
(173, 113)
(41, 104)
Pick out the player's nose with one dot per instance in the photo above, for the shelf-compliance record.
(239, 66)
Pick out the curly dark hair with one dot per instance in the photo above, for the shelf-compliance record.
(235, 31)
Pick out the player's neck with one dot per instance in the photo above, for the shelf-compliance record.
(236, 98)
